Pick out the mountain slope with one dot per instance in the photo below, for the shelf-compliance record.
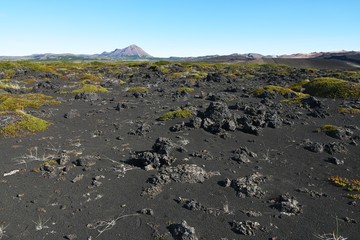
(130, 51)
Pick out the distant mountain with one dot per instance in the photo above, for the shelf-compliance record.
(131, 51)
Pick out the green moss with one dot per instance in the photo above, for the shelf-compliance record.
(9, 85)
(90, 88)
(349, 110)
(91, 77)
(299, 86)
(185, 89)
(333, 88)
(137, 90)
(276, 89)
(181, 113)
(176, 75)
(21, 101)
(328, 128)
(49, 162)
(23, 125)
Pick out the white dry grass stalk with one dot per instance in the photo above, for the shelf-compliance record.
(33, 155)
(102, 226)
(120, 167)
(226, 207)
(266, 155)
(40, 224)
(331, 236)
(2, 231)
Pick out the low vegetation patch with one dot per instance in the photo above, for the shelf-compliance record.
(349, 110)
(333, 88)
(185, 89)
(11, 102)
(350, 185)
(299, 86)
(90, 88)
(137, 90)
(181, 113)
(328, 128)
(9, 85)
(295, 96)
(21, 124)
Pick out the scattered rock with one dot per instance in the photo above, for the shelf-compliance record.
(183, 173)
(73, 113)
(312, 102)
(335, 160)
(78, 178)
(313, 146)
(249, 186)
(87, 96)
(335, 147)
(71, 237)
(247, 228)
(147, 211)
(182, 231)
(159, 156)
(86, 161)
(242, 155)
(287, 205)
(252, 213)
(312, 193)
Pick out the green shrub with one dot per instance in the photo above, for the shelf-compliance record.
(333, 88)
(349, 110)
(137, 90)
(328, 128)
(185, 89)
(181, 113)
(90, 88)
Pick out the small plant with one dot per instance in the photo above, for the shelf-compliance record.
(40, 224)
(9, 85)
(339, 181)
(331, 236)
(351, 185)
(299, 86)
(102, 226)
(353, 196)
(2, 231)
(90, 88)
(181, 113)
(137, 90)
(185, 89)
(349, 110)
(328, 128)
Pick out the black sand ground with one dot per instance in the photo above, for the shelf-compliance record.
(101, 195)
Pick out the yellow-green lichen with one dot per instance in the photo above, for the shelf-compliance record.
(21, 101)
(23, 124)
(185, 89)
(333, 88)
(181, 113)
(90, 88)
(137, 90)
(282, 91)
(328, 128)
(347, 110)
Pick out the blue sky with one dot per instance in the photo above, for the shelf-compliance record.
(178, 27)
